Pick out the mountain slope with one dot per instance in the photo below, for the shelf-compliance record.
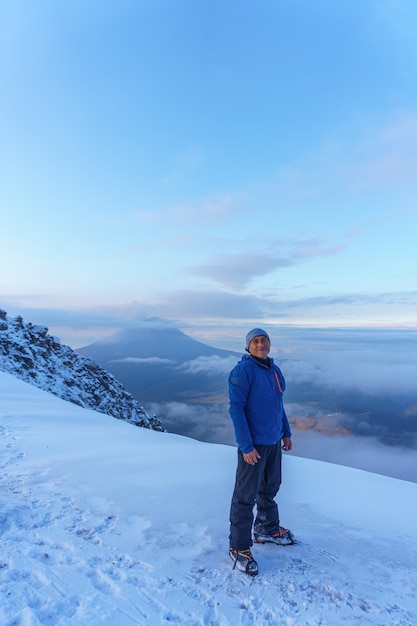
(31, 354)
(105, 524)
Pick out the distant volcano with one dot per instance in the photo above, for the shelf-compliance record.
(152, 338)
(158, 363)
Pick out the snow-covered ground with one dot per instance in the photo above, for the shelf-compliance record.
(102, 523)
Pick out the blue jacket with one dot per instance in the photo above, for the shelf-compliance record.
(256, 403)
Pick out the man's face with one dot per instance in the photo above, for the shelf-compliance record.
(259, 347)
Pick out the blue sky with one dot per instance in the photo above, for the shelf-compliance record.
(222, 163)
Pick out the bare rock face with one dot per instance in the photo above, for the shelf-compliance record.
(28, 352)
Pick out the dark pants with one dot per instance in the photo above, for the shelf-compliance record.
(258, 484)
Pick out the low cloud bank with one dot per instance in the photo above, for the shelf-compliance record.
(205, 422)
(211, 423)
(365, 371)
(151, 360)
(369, 360)
(362, 453)
(210, 365)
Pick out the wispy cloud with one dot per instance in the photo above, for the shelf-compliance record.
(367, 155)
(184, 166)
(205, 305)
(236, 270)
(388, 155)
(177, 307)
(221, 312)
(405, 298)
(214, 209)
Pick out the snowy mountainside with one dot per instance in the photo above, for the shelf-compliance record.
(104, 524)
(28, 352)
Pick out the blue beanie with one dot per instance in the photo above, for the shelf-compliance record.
(255, 332)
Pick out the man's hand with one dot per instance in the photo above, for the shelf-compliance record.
(252, 457)
(286, 444)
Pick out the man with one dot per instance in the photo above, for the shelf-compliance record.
(256, 388)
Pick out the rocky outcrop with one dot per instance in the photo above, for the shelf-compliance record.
(28, 352)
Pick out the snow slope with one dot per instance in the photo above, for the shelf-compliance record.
(101, 523)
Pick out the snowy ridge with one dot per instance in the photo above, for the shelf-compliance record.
(117, 526)
(28, 352)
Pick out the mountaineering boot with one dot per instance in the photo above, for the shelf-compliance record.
(244, 561)
(283, 537)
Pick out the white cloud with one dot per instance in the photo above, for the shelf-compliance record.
(205, 422)
(236, 270)
(210, 365)
(152, 360)
(363, 453)
(387, 368)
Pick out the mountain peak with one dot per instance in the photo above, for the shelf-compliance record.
(154, 337)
